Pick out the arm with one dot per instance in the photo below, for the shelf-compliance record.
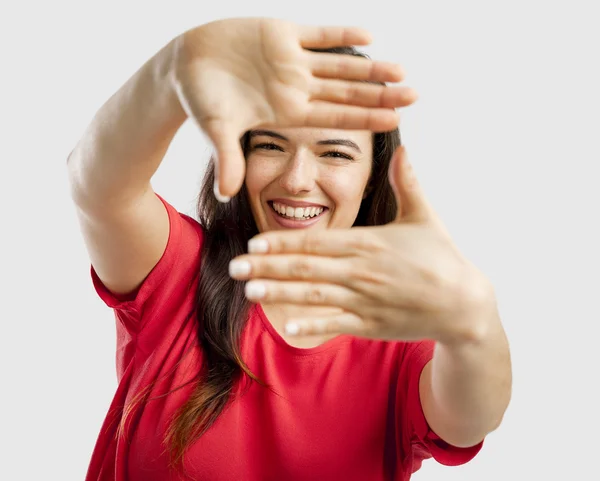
(124, 225)
(465, 389)
(230, 76)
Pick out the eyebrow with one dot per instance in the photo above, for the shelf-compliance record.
(344, 142)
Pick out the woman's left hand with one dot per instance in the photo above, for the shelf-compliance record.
(402, 281)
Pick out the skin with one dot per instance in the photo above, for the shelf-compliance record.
(260, 70)
(299, 168)
(406, 280)
(236, 74)
(227, 77)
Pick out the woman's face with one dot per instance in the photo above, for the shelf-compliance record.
(307, 178)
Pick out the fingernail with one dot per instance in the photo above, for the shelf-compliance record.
(258, 246)
(292, 328)
(220, 197)
(239, 268)
(255, 290)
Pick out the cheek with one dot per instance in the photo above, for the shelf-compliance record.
(259, 174)
(345, 188)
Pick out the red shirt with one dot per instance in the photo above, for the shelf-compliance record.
(347, 410)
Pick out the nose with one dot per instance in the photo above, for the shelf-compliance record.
(299, 174)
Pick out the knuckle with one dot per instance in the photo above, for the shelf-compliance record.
(369, 274)
(301, 268)
(280, 244)
(312, 241)
(274, 292)
(351, 94)
(330, 327)
(290, 243)
(364, 241)
(319, 326)
(341, 69)
(372, 75)
(315, 295)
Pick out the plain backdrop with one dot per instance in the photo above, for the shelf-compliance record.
(505, 140)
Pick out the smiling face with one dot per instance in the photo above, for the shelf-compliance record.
(306, 177)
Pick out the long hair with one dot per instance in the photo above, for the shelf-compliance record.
(221, 308)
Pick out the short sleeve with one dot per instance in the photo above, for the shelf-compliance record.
(422, 442)
(164, 291)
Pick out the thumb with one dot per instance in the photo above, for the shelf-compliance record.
(412, 204)
(230, 164)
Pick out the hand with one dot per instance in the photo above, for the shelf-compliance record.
(402, 281)
(234, 75)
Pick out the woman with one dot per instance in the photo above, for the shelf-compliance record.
(312, 356)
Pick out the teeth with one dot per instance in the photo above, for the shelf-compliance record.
(298, 212)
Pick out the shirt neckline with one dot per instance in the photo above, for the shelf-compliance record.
(298, 351)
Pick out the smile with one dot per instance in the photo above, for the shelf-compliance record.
(298, 213)
(288, 216)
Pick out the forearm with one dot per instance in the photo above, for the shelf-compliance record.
(124, 144)
(471, 383)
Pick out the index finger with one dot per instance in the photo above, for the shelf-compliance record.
(351, 117)
(327, 37)
(330, 242)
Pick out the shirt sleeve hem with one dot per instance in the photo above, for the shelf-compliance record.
(133, 302)
(443, 452)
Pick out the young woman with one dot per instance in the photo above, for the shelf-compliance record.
(269, 340)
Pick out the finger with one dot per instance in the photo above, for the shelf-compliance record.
(291, 268)
(327, 37)
(301, 293)
(229, 162)
(330, 242)
(346, 323)
(404, 328)
(352, 67)
(362, 94)
(338, 116)
(414, 205)
(418, 203)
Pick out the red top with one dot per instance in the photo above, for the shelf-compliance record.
(347, 410)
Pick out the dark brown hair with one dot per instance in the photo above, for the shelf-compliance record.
(222, 308)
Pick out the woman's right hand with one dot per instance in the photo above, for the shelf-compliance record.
(237, 74)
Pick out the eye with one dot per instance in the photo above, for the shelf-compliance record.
(267, 146)
(338, 155)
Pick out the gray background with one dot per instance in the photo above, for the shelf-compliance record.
(504, 139)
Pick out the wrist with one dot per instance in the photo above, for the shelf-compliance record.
(476, 315)
(165, 79)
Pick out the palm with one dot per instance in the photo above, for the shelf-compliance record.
(243, 94)
(235, 75)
